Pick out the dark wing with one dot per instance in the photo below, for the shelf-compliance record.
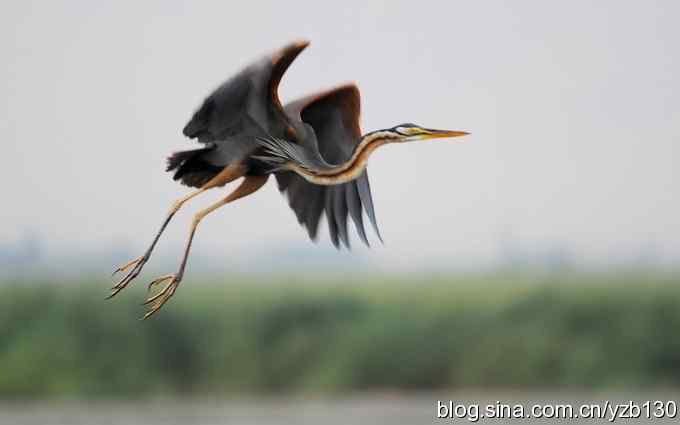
(245, 106)
(334, 118)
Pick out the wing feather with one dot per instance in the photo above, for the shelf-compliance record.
(330, 217)
(244, 107)
(332, 117)
(354, 207)
(367, 200)
(340, 212)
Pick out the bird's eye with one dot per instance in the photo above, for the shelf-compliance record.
(407, 129)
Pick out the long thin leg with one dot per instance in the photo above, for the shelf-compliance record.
(249, 185)
(134, 267)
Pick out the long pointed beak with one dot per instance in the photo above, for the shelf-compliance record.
(438, 134)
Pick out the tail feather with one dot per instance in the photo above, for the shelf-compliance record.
(175, 160)
(190, 168)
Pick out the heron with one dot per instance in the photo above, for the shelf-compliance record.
(313, 146)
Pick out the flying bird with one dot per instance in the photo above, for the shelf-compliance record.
(313, 146)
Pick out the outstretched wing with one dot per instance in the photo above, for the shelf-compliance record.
(333, 116)
(245, 106)
(251, 95)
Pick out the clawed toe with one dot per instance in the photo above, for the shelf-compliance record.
(157, 301)
(126, 266)
(133, 268)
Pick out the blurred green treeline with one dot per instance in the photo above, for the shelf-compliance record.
(512, 331)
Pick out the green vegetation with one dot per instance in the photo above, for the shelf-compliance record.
(270, 337)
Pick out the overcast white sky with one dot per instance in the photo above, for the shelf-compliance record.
(574, 109)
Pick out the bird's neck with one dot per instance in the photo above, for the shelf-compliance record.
(353, 167)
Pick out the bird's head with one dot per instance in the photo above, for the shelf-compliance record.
(412, 132)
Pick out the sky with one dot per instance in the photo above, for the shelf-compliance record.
(574, 110)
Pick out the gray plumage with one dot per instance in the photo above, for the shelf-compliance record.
(244, 114)
(242, 108)
(313, 146)
(333, 118)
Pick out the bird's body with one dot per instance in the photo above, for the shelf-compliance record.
(244, 107)
(313, 146)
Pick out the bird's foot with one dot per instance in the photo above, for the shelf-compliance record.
(155, 302)
(132, 268)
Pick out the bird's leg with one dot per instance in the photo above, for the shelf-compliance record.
(134, 267)
(249, 185)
